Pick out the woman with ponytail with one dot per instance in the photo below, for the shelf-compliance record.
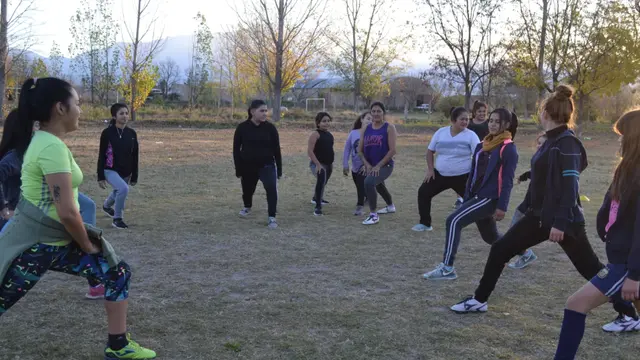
(118, 162)
(48, 232)
(257, 156)
(488, 190)
(454, 146)
(553, 212)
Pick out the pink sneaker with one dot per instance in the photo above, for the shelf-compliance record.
(95, 293)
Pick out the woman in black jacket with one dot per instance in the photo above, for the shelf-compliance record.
(619, 226)
(118, 162)
(256, 156)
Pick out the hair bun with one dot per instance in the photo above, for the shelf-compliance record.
(563, 92)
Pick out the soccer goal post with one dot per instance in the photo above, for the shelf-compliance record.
(315, 104)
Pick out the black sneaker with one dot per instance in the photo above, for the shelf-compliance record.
(119, 224)
(317, 212)
(109, 211)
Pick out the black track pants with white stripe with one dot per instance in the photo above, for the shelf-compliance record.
(475, 210)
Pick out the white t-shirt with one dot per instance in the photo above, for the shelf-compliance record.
(453, 153)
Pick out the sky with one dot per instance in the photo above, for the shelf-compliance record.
(51, 20)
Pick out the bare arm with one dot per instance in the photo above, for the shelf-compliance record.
(393, 135)
(313, 138)
(430, 159)
(62, 192)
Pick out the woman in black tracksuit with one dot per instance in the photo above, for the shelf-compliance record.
(256, 156)
(554, 211)
(619, 226)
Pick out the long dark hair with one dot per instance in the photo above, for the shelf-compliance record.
(358, 123)
(114, 111)
(254, 105)
(626, 178)
(37, 99)
(507, 116)
(11, 139)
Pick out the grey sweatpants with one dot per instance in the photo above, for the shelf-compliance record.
(370, 184)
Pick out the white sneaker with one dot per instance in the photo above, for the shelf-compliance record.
(371, 220)
(469, 305)
(622, 323)
(272, 223)
(245, 212)
(441, 272)
(389, 209)
(421, 227)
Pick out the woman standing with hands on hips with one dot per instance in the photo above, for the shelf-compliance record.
(257, 156)
(118, 162)
(376, 149)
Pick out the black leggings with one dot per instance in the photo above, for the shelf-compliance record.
(321, 182)
(435, 186)
(527, 233)
(269, 177)
(358, 180)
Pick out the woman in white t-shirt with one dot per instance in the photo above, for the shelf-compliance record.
(454, 146)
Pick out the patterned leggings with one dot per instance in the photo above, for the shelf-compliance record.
(28, 268)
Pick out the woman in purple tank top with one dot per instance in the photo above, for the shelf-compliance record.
(377, 148)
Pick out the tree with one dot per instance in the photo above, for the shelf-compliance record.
(283, 38)
(95, 57)
(462, 26)
(144, 46)
(198, 74)
(15, 37)
(56, 61)
(169, 73)
(366, 51)
(145, 77)
(38, 69)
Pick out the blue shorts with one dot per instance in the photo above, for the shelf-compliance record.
(609, 280)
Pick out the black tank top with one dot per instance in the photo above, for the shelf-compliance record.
(324, 148)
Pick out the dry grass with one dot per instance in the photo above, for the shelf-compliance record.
(209, 285)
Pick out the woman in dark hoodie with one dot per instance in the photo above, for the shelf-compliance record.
(554, 210)
(618, 225)
(487, 191)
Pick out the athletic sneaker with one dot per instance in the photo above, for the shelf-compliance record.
(622, 323)
(469, 305)
(109, 211)
(389, 209)
(95, 292)
(458, 203)
(524, 260)
(272, 223)
(441, 272)
(324, 202)
(119, 224)
(359, 211)
(317, 212)
(371, 219)
(421, 227)
(245, 212)
(131, 351)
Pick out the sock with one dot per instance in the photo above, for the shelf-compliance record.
(570, 335)
(117, 342)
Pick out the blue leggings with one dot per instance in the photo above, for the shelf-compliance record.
(27, 269)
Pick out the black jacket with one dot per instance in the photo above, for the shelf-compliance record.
(118, 152)
(256, 146)
(553, 193)
(623, 237)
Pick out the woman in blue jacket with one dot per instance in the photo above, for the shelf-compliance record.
(554, 212)
(487, 191)
(618, 225)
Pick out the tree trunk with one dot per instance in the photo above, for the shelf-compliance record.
(543, 40)
(581, 120)
(279, 54)
(467, 95)
(3, 53)
(406, 110)
(134, 65)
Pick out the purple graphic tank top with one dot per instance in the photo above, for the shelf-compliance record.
(376, 144)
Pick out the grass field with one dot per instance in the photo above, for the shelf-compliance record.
(210, 285)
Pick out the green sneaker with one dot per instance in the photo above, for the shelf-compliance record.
(132, 351)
